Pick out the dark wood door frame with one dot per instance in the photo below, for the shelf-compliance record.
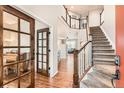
(41, 71)
(23, 16)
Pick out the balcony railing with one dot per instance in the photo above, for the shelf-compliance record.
(72, 22)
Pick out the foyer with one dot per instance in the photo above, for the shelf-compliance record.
(60, 46)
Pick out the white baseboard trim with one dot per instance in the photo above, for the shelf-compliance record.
(54, 74)
(111, 43)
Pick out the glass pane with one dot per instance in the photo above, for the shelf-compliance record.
(40, 42)
(40, 57)
(25, 81)
(44, 43)
(40, 50)
(44, 66)
(40, 35)
(13, 84)
(25, 54)
(24, 40)
(24, 26)
(44, 35)
(10, 21)
(10, 38)
(9, 73)
(10, 55)
(40, 65)
(44, 51)
(44, 58)
(25, 66)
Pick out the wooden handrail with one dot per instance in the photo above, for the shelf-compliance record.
(84, 46)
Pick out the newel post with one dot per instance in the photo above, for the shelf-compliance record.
(75, 74)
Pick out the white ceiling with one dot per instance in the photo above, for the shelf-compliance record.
(83, 9)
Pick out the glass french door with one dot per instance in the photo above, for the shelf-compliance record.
(16, 49)
(43, 51)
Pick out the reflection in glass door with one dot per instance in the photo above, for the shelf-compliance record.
(43, 51)
(16, 54)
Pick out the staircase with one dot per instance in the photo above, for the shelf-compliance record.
(100, 74)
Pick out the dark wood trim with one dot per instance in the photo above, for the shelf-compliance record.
(37, 54)
(17, 13)
(48, 48)
(16, 47)
(70, 21)
(17, 78)
(74, 18)
(17, 31)
(66, 14)
(18, 65)
(64, 6)
(1, 46)
(65, 20)
(75, 74)
(16, 62)
(84, 46)
(32, 44)
(87, 27)
(79, 23)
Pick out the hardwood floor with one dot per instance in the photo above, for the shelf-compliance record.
(63, 78)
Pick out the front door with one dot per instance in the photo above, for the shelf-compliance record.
(120, 42)
(43, 51)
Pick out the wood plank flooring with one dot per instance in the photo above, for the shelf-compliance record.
(63, 79)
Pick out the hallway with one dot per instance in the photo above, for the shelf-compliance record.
(63, 79)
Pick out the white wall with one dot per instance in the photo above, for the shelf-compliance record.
(94, 18)
(109, 23)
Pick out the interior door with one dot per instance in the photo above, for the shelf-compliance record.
(43, 51)
(120, 42)
(16, 49)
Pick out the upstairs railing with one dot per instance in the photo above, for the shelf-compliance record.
(72, 22)
(82, 62)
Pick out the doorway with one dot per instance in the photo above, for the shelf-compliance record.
(16, 48)
(43, 51)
